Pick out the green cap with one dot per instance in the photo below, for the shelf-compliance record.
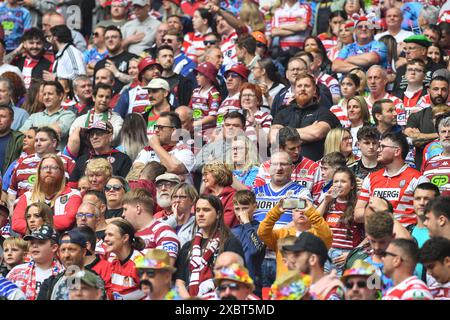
(89, 278)
(420, 39)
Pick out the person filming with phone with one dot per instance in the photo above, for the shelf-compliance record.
(305, 218)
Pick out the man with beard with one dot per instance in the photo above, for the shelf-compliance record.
(100, 136)
(164, 187)
(33, 62)
(385, 116)
(419, 127)
(312, 121)
(234, 283)
(437, 169)
(135, 98)
(138, 207)
(356, 282)
(24, 174)
(180, 87)
(396, 182)
(117, 60)
(100, 112)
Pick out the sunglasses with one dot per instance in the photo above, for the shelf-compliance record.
(115, 187)
(149, 272)
(260, 45)
(231, 286)
(387, 253)
(209, 42)
(232, 75)
(360, 284)
(159, 127)
(167, 40)
(96, 34)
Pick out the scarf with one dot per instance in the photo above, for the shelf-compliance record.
(200, 281)
(30, 278)
(106, 116)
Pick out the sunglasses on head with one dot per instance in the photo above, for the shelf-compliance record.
(209, 42)
(231, 286)
(260, 45)
(361, 284)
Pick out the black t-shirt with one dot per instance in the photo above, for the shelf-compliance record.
(400, 83)
(182, 264)
(422, 120)
(361, 171)
(296, 117)
(121, 61)
(181, 88)
(120, 162)
(4, 141)
(113, 213)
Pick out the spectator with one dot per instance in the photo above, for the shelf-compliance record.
(268, 77)
(394, 18)
(120, 239)
(435, 255)
(11, 140)
(437, 219)
(400, 259)
(97, 52)
(90, 288)
(98, 199)
(202, 22)
(246, 53)
(194, 276)
(37, 214)
(165, 184)
(133, 136)
(14, 252)
(82, 93)
(359, 275)
(233, 283)
(18, 18)
(245, 163)
(98, 172)
(182, 219)
(29, 276)
(385, 116)
(139, 34)
(51, 188)
(328, 166)
(349, 88)
(182, 64)
(119, 14)
(292, 285)
(7, 100)
(340, 140)
(115, 190)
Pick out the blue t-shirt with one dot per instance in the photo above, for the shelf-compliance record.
(3, 145)
(14, 21)
(354, 49)
(246, 177)
(92, 55)
(421, 235)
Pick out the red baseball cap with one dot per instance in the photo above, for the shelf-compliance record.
(240, 69)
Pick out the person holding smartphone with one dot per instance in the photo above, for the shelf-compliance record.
(305, 218)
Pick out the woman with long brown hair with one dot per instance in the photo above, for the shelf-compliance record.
(51, 189)
(37, 214)
(194, 276)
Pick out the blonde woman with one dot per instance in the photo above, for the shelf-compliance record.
(251, 16)
(98, 171)
(340, 140)
(358, 116)
(50, 188)
(217, 180)
(245, 166)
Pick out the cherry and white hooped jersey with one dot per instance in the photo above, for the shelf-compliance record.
(228, 48)
(411, 288)
(305, 174)
(412, 102)
(345, 236)
(289, 16)
(193, 45)
(440, 291)
(263, 119)
(331, 83)
(160, 236)
(138, 100)
(205, 104)
(327, 41)
(397, 189)
(232, 103)
(24, 174)
(399, 108)
(437, 170)
(341, 114)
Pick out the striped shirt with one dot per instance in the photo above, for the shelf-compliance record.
(205, 103)
(267, 198)
(327, 41)
(411, 288)
(437, 170)
(69, 63)
(263, 119)
(160, 236)
(125, 279)
(398, 189)
(228, 48)
(341, 113)
(193, 44)
(330, 82)
(9, 290)
(290, 16)
(345, 236)
(231, 103)
(399, 108)
(24, 174)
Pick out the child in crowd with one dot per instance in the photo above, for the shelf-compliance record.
(14, 253)
(328, 165)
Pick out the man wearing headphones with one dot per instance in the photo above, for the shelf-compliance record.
(312, 121)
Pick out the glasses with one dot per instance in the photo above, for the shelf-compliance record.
(387, 253)
(96, 34)
(414, 70)
(363, 26)
(231, 286)
(411, 48)
(159, 127)
(382, 146)
(361, 284)
(167, 185)
(115, 187)
(149, 272)
(179, 197)
(347, 138)
(85, 215)
(50, 168)
(168, 41)
(209, 42)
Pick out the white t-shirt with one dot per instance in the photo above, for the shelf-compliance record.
(41, 275)
(399, 37)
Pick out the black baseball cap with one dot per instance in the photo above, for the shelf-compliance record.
(43, 233)
(307, 242)
(76, 237)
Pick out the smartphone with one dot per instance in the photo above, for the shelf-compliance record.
(294, 203)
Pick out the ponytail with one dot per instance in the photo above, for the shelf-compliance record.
(137, 243)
